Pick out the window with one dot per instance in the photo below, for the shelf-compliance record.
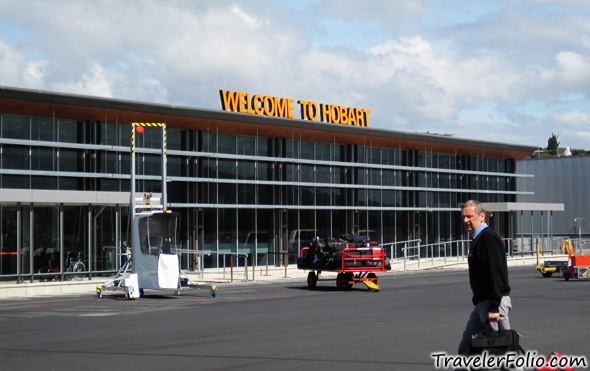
(322, 151)
(42, 158)
(15, 157)
(42, 128)
(68, 160)
(226, 144)
(15, 127)
(246, 145)
(68, 130)
(307, 150)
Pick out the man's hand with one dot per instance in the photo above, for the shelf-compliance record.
(493, 317)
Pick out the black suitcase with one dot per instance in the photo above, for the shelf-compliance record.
(495, 342)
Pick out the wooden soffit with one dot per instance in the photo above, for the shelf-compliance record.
(85, 108)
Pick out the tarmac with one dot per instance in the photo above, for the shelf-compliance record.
(237, 276)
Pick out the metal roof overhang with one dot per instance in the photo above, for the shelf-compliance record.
(79, 107)
(522, 206)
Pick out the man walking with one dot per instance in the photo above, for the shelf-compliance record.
(488, 275)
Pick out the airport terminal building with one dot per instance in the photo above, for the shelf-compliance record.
(252, 178)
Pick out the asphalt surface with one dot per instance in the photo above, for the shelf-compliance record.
(282, 325)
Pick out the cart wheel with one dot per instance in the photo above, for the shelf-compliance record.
(567, 276)
(342, 281)
(349, 277)
(547, 274)
(312, 280)
(372, 277)
(130, 294)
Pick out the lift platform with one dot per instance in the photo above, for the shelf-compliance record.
(153, 260)
(355, 259)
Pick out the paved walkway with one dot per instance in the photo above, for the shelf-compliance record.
(226, 276)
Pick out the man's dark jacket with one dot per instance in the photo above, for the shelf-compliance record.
(488, 271)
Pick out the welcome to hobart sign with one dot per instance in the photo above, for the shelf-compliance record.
(283, 107)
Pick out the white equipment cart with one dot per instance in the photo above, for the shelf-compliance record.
(152, 259)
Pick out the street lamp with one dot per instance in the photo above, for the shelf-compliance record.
(579, 220)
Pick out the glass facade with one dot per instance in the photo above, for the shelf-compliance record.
(237, 194)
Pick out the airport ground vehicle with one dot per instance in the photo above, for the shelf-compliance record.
(355, 259)
(551, 267)
(576, 266)
(152, 258)
(153, 255)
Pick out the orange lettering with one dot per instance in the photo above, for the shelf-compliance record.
(326, 112)
(335, 114)
(343, 115)
(258, 104)
(229, 100)
(352, 116)
(314, 111)
(303, 104)
(283, 107)
(366, 111)
(269, 107)
(290, 108)
(243, 100)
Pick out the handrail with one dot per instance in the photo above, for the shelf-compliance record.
(414, 252)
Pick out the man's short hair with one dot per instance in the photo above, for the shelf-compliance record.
(477, 206)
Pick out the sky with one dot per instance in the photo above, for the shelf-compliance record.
(506, 71)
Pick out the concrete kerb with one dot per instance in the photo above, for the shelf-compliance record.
(222, 277)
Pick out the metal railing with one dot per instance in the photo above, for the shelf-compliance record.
(200, 254)
(413, 252)
(528, 245)
(236, 262)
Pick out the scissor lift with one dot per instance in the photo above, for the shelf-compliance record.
(153, 256)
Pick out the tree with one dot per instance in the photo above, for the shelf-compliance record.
(552, 144)
(580, 152)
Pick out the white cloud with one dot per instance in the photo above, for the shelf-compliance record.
(247, 18)
(573, 68)
(574, 120)
(36, 70)
(94, 81)
(17, 70)
(417, 65)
